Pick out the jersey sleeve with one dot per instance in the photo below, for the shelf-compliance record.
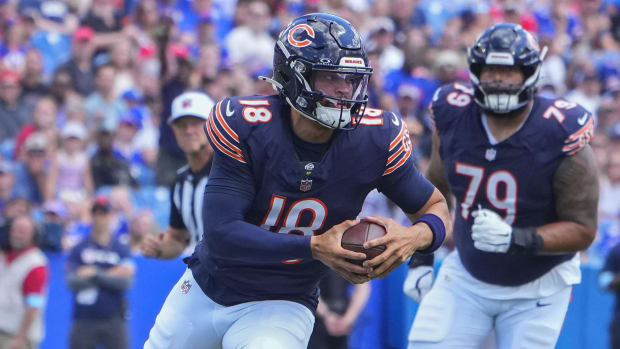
(176, 220)
(401, 181)
(577, 125)
(228, 197)
(223, 129)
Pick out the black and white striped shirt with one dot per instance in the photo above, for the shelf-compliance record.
(187, 196)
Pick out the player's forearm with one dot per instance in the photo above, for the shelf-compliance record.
(562, 237)
(243, 241)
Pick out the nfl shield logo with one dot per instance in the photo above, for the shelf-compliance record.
(185, 287)
(305, 185)
(490, 154)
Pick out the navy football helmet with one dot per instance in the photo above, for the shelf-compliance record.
(505, 44)
(326, 46)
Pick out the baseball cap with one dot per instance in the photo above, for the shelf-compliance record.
(36, 142)
(74, 129)
(83, 33)
(101, 204)
(195, 104)
(133, 117)
(56, 207)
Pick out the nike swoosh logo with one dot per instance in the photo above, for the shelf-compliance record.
(539, 304)
(229, 112)
(582, 120)
(395, 120)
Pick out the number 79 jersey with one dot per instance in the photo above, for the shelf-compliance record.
(254, 142)
(513, 177)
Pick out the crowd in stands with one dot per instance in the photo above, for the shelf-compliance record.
(86, 88)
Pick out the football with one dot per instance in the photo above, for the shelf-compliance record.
(353, 239)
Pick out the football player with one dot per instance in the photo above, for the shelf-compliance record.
(289, 175)
(525, 183)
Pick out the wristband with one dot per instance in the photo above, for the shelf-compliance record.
(438, 229)
(525, 241)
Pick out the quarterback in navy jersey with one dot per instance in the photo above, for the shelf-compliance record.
(289, 176)
(525, 185)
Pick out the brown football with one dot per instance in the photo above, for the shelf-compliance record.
(353, 239)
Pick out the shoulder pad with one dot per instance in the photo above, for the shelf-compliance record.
(449, 101)
(575, 123)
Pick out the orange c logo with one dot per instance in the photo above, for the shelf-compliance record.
(308, 29)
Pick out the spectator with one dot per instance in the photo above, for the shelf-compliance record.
(14, 208)
(32, 172)
(61, 89)
(80, 65)
(13, 46)
(251, 45)
(609, 279)
(7, 181)
(170, 157)
(99, 272)
(52, 226)
(337, 311)
(43, 121)
(13, 114)
(103, 104)
(107, 167)
(33, 86)
(122, 58)
(70, 170)
(609, 203)
(23, 285)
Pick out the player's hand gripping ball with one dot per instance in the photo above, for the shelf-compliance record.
(354, 238)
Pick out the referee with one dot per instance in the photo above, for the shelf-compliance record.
(189, 112)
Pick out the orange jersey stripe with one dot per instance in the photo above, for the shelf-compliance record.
(400, 151)
(589, 125)
(231, 146)
(398, 164)
(222, 122)
(399, 137)
(222, 148)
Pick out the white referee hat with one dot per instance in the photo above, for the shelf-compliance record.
(195, 104)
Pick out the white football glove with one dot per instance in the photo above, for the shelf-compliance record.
(418, 282)
(489, 232)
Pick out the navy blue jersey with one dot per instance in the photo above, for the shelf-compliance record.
(99, 302)
(513, 178)
(263, 251)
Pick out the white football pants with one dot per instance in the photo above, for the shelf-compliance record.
(190, 319)
(452, 316)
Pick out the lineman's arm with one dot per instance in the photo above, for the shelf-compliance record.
(435, 172)
(575, 187)
(167, 245)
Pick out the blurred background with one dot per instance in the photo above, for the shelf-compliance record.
(86, 87)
